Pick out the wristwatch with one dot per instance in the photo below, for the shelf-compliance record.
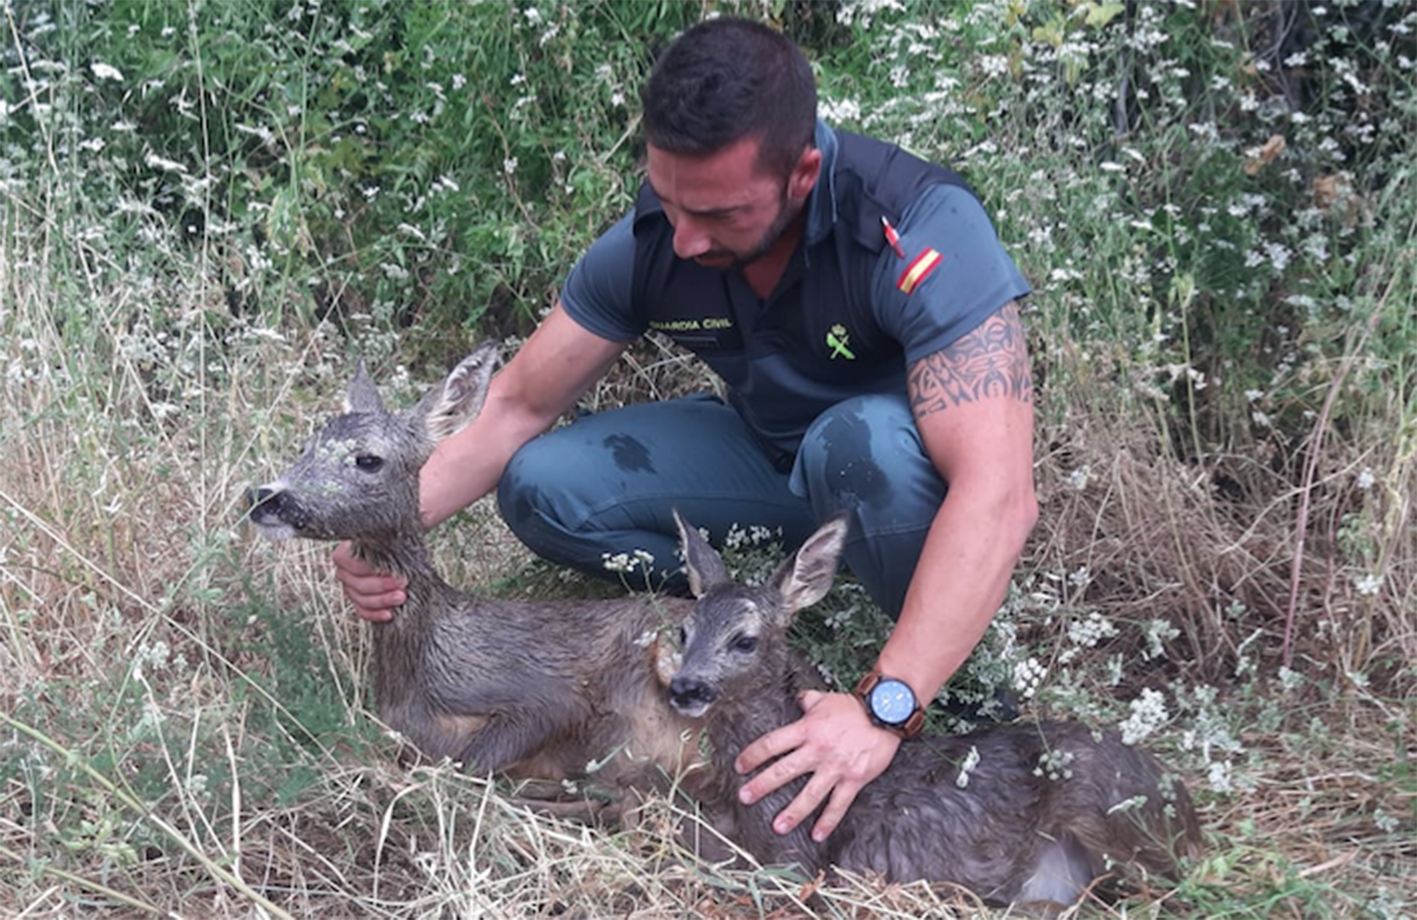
(891, 704)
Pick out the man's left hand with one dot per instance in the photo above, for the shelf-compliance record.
(836, 743)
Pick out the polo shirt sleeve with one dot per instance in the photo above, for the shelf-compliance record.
(597, 292)
(954, 273)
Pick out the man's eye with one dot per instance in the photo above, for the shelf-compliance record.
(745, 643)
(368, 462)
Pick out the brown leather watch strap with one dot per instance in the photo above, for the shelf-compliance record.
(913, 725)
(864, 686)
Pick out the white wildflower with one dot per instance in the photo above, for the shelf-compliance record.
(739, 537)
(1028, 676)
(971, 760)
(156, 655)
(1086, 633)
(1368, 584)
(838, 111)
(1157, 632)
(106, 72)
(627, 562)
(1055, 764)
(994, 65)
(1136, 801)
(1148, 713)
(1220, 776)
(157, 162)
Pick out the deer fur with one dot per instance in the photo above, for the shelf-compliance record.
(978, 810)
(527, 688)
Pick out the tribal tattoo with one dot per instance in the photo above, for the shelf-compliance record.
(990, 362)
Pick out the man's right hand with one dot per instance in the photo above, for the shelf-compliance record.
(374, 594)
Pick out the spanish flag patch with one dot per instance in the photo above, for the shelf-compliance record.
(918, 270)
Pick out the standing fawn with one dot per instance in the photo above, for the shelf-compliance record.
(536, 689)
(1017, 814)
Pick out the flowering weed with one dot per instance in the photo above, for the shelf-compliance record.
(207, 210)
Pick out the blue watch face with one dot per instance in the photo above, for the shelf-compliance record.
(892, 701)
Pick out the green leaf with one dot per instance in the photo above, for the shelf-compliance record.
(1099, 14)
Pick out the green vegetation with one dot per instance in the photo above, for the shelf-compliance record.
(209, 209)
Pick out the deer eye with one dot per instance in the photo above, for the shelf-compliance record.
(744, 643)
(369, 463)
(683, 637)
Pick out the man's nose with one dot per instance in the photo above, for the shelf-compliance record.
(690, 239)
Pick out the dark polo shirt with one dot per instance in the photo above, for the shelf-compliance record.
(853, 310)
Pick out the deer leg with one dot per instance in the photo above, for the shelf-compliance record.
(584, 811)
(502, 743)
(539, 790)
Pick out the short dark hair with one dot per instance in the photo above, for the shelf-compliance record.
(727, 79)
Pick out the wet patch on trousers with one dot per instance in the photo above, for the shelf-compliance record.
(847, 439)
(630, 455)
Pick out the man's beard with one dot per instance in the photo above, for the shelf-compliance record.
(786, 214)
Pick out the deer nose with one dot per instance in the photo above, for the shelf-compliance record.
(686, 693)
(266, 499)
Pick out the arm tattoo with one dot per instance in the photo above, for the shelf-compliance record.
(989, 363)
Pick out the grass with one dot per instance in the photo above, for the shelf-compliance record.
(1224, 347)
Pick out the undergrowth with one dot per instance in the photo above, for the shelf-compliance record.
(210, 209)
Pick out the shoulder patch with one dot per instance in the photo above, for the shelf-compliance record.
(918, 270)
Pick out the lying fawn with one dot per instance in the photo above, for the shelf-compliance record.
(536, 689)
(978, 810)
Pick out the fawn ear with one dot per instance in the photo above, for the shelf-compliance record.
(363, 396)
(807, 576)
(451, 405)
(703, 564)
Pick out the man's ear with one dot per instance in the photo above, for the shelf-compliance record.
(805, 174)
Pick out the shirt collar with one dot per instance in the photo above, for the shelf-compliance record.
(821, 203)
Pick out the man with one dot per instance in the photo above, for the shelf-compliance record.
(862, 312)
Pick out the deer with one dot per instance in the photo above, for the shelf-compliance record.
(528, 689)
(1018, 814)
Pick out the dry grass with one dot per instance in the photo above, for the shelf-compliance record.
(1160, 537)
(184, 730)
